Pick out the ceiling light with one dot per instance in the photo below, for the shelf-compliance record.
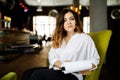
(39, 9)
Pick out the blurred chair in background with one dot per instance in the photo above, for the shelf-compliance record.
(9, 76)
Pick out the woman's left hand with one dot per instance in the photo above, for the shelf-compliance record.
(85, 72)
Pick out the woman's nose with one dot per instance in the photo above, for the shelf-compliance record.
(68, 21)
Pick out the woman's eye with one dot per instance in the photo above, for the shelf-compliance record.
(72, 18)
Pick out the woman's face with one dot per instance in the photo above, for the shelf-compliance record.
(69, 22)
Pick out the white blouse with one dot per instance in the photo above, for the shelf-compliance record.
(77, 55)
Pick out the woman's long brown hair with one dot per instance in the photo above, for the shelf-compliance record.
(59, 32)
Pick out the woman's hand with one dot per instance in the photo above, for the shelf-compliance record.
(58, 64)
(85, 72)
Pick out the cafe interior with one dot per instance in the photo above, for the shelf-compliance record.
(26, 27)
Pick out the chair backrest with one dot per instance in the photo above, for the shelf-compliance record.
(101, 40)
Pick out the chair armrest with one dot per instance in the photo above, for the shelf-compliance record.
(9, 76)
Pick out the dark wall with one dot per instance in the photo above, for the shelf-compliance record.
(17, 14)
(113, 24)
(112, 57)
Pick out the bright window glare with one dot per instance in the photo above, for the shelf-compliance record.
(86, 24)
(44, 25)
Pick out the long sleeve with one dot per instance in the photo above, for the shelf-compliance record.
(76, 66)
(52, 57)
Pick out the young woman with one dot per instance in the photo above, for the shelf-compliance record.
(72, 54)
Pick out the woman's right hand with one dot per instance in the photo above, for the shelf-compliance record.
(58, 64)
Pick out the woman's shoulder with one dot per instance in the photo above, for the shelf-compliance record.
(85, 35)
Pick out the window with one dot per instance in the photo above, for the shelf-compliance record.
(86, 24)
(43, 25)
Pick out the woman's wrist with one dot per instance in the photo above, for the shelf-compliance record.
(58, 64)
(62, 67)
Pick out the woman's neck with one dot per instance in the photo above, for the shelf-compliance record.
(69, 35)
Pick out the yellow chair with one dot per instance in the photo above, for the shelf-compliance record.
(9, 76)
(101, 40)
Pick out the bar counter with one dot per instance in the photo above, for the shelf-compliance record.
(14, 43)
(13, 37)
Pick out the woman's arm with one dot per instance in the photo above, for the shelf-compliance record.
(86, 72)
(53, 59)
(77, 66)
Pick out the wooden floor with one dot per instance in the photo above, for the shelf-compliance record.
(24, 62)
